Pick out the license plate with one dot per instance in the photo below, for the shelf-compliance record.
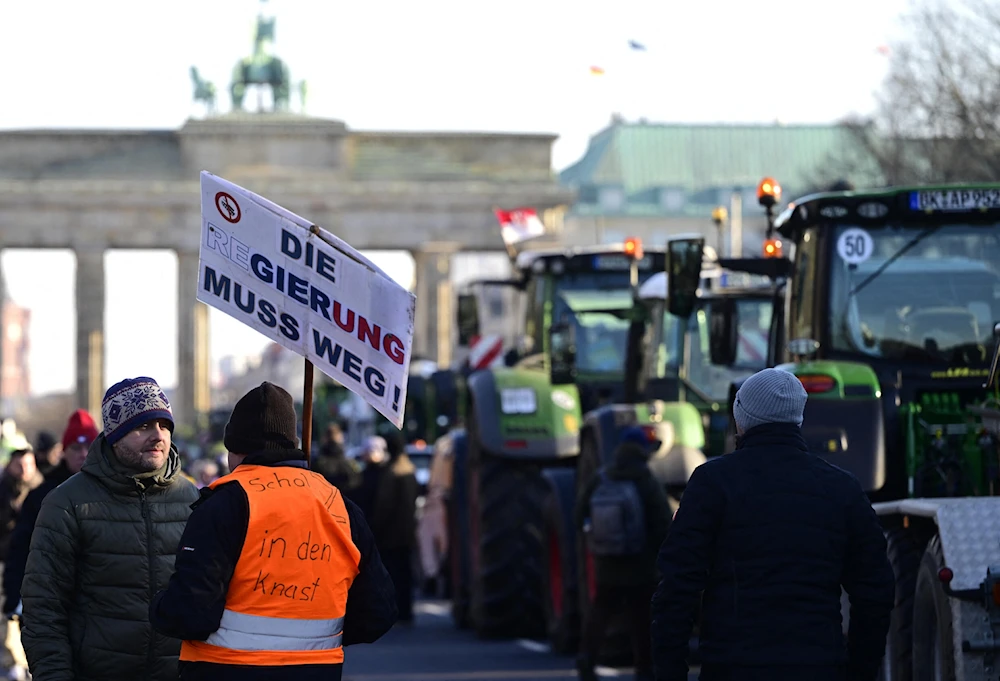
(619, 262)
(955, 200)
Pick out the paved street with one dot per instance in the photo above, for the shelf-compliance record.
(433, 650)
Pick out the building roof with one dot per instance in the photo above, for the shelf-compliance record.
(696, 163)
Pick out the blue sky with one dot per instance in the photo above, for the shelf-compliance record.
(517, 65)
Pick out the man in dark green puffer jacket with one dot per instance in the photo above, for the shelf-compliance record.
(104, 544)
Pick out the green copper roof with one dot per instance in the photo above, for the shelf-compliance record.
(702, 160)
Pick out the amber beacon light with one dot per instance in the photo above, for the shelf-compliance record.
(633, 248)
(768, 192)
(772, 248)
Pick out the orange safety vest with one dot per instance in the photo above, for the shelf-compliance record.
(288, 595)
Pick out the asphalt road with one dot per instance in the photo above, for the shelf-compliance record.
(432, 649)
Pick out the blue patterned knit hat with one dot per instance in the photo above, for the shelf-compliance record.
(130, 403)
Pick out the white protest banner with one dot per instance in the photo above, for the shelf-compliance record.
(307, 290)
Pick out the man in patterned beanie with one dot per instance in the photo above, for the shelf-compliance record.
(765, 538)
(103, 543)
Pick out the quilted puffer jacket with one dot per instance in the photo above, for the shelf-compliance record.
(103, 545)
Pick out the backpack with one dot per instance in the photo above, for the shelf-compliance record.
(617, 518)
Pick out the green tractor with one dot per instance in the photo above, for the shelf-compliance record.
(889, 320)
(518, 423)
(673, 387)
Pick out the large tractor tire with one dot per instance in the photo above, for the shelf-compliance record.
(933, 640)
(458, 538)
(506, 538)
(562, 604)
(905, 551)
(616, 650)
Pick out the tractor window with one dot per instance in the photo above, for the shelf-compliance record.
(534, 328)
(597, 304)
(801, 322)
(753, 330)
(916, 294)
(601, 321)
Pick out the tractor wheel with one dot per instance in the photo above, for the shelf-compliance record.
(506, 544)
(616, 650)
(904, 554)
(562, 605)
(933, 640)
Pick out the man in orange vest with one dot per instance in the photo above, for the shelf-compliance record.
(276, 571)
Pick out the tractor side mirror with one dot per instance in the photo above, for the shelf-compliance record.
(995, 364)
(684, 261)
(562, 354)
(723, 325)
(468, 318)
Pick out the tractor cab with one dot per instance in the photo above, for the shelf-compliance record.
(889, 323)
(678, 360)
(582, 294)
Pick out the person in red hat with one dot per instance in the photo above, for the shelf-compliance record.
(80, 432)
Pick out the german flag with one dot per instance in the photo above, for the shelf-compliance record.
(596, 71)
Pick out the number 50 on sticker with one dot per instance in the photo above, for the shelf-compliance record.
(855, 245)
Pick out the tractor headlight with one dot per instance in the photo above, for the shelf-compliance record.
(518, 401)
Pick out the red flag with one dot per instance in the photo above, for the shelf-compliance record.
(519, 224)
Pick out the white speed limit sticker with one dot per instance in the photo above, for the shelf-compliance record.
(855, 246)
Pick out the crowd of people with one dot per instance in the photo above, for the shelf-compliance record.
(119, 564)
(123, 559)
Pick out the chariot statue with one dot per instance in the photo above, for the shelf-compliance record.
(262, 68)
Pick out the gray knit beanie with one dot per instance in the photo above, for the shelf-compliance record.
(769, 396)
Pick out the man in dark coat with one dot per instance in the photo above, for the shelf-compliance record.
(769, 534)
(196, 606)
(333, 464)
(103, 544)
(48, 452)
(626, 583)
(80, 433)
(394, 520)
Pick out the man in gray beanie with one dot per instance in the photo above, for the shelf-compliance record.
(769, 396)
(765, 538)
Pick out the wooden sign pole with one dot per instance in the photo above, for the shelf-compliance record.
(307, 412)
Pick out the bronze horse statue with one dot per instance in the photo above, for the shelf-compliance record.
(204, 91)
(261, 68)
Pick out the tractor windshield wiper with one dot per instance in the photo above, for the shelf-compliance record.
(893, 258)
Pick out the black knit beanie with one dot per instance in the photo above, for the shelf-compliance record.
(263, 420)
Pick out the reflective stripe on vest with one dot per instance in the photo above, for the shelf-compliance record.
(287, 597)
(240, 631)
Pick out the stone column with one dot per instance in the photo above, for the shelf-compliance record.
(90, 330)
(193, 400)
(433, 320)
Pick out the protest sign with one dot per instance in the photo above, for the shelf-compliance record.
(307, 290)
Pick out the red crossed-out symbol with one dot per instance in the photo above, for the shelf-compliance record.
(227, 207)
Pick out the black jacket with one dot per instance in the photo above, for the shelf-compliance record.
(394, 511)
(192, 605)
(20, 538)
(631, 464)
(770, 533)
(338, 470)
(103, 544)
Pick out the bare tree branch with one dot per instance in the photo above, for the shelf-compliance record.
(938, 115)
